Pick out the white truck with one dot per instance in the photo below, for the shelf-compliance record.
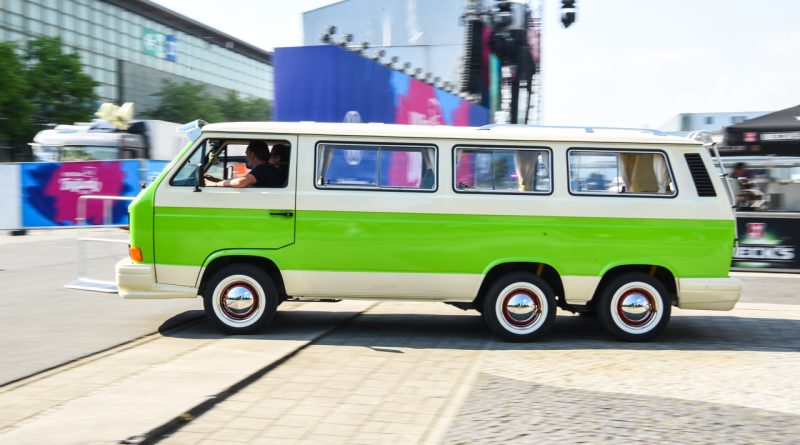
(99, 141)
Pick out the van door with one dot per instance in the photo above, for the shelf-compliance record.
(192, 223)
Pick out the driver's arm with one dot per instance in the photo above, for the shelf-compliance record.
(240, 182)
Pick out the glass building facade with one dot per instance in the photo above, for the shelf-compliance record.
(131, 46)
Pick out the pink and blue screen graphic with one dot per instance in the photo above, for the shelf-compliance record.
(51, 191)
(331, 84)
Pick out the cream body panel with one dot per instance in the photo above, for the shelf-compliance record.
(138, 281)
(579, 290)
(720, 294)
(380, 285)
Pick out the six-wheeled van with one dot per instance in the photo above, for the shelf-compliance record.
(510, 221)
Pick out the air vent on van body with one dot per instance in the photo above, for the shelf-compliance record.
(702, 182)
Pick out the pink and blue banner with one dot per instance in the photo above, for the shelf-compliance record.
(331, 84)
(50, 191)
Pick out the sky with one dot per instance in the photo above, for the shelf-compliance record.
(624, 63)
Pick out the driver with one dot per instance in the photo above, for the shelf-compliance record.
(264, 173)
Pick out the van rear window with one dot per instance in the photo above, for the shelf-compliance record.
(605, 172)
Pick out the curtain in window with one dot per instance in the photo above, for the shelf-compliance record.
(640, 172)
(327, 157)
(662, 173)
(525, 164)
(625, 164)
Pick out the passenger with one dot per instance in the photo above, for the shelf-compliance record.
(265, 170)
(279, 161)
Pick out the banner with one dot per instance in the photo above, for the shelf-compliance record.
(332, 84)
(767, 243)
(50, 191)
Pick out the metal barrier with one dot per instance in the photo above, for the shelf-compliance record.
(84, 282)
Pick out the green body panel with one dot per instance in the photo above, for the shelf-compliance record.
(447, 243)
(140, 219)
(140, 214)
(187, 235)
(472, 244)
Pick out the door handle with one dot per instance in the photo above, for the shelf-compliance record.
(285, 213)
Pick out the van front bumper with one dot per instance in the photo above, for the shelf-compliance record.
(719, 294)
(136, 280)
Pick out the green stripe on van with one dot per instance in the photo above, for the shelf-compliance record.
(454, 243)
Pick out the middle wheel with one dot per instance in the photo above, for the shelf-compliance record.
(519, 307)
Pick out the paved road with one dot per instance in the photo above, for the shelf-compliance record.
(42, 324)
(396, 373)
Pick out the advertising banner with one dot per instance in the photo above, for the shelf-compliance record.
(50, 191)
(332, 84)
(767, 242)
(10, 198)
(154, 168)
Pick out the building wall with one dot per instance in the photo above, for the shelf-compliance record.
(428, 34)
(103, 34)
(708, 121)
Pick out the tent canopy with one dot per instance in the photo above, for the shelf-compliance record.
(773, 133)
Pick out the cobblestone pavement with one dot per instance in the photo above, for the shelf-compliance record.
(533, 413)
(412, 373)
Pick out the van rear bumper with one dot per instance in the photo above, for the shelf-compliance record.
(719, 294)
(138, 281)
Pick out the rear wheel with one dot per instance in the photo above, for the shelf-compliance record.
(519, 307)
(634, 307)
(240, 299)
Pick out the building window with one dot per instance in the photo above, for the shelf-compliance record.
(709, 120)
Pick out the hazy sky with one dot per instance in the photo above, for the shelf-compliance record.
(628, 63)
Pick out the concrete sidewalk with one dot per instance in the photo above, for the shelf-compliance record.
(428, 373)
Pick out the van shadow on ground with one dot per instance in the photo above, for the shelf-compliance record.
(468, 331)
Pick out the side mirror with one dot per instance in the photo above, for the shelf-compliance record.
(199, 179)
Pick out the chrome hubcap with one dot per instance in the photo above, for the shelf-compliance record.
(636, 307)
(239, 301)
(520, 308)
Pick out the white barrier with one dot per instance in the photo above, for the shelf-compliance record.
(83, 282)
(11, 197)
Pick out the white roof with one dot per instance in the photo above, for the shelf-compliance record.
(507, 132)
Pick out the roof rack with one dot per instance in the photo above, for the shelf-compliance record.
(586, 129)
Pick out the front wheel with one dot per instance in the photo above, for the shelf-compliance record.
(240, 299)
(520, 307)
(634, 307)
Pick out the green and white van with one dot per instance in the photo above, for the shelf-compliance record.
(510, 221)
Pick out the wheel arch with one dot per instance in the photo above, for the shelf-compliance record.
(216, 263)
(661, 273)
(540, 269)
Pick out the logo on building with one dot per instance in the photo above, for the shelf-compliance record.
(163, 46)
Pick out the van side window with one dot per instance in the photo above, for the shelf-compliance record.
(606, 172)
(366, 166)
(505, 170)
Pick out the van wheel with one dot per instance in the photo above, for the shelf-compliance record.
(240, 299)
(520, 307)
(634, 307)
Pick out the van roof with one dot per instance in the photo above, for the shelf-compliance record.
(507, 132)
